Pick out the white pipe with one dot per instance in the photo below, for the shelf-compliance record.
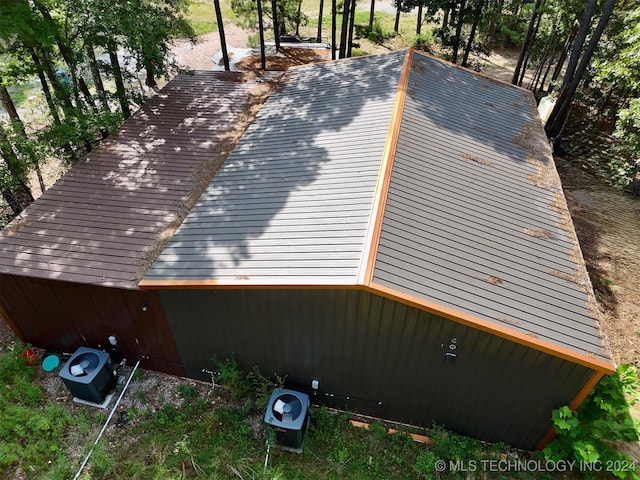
(266, 459)
(104, 427)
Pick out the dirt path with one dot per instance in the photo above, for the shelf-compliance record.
(200, 56)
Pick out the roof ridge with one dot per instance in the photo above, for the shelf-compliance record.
(372, 237)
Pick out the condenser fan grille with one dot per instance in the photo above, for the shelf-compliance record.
(287, 408)
(84, 364)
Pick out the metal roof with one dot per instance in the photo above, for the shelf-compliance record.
(104, 220)
(406, 176)
(293, 202)
(475, 217)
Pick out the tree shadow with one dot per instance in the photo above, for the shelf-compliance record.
(315, 146)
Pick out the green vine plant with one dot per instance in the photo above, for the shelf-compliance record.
(591, 435)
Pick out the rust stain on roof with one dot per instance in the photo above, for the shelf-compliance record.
(539, 233)
(494, 280)
(476, 159)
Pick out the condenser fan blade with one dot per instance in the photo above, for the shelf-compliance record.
(87, 361)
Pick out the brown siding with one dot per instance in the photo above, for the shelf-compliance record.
(62, 316)
(386, 357)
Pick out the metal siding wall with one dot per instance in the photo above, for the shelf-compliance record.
(387, 357)
(63, 316)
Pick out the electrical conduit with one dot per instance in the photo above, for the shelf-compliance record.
(106, 423)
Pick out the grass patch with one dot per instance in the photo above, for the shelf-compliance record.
(202, 15)
(207, 432)
(31, 427)
(20, 92)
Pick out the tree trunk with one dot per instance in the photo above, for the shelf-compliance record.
(544, 57)
(53, 109)
(472, 34)
(578, 43)
(68, 57)
(372, 13)
(17, 169)
(559, 114)
(352, 19)
(276, 25)
(18, 126)
(117, 76)
(445, 17)
(396, 25)
(8, 104)
(62, 94)
(563, 55)
(150, 75)
(12, 201)
(263, 58)
(223, 39)
(419, 24)
(345, 29)
(606, 99)
(456, 40)
(333, 29)
(97, 79)
(525, 64)
(496, 11)
(59, 89)
(526, 44)
(298, 17)
(319, 36)
(544, 78)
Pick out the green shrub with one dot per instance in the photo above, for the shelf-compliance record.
(426, 464)
(588, 435)
(376, 33)
(423, 42)
(242, 384)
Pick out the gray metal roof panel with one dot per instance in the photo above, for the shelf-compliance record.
(292, 203)
(474, 220)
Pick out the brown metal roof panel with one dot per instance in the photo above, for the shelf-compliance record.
(87, 219)
(78, 252)
(138, 181)
(35, 243)
(46, 209)
(86, 277)
(113, 267)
